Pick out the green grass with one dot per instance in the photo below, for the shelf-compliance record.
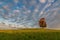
(30, 34)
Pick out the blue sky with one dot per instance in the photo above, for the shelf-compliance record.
(28, 12)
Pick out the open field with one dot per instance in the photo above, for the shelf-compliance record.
(30, 34)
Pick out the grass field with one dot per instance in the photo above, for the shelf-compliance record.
(30, 34)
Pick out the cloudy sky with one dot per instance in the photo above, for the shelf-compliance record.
(28, 12)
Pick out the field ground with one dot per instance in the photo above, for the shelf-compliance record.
(30, 34)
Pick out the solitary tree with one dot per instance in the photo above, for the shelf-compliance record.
(42, 23)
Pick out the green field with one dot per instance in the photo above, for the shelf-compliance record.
(30, 34)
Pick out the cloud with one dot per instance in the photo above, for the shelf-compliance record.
(42, 11)
(16, 11)
(54, 18)
(16, 1)
(51, 0)
(1, 3)
(6, 7)
(27, 17)
(42, 1)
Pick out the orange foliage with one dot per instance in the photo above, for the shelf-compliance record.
(42, 22)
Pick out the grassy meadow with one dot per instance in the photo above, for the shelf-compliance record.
(30, 34)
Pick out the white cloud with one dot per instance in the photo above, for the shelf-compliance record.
(1, 2)
(6, 7)
(42, 1)
(42, 11)
(36, 10)
(1, 9)
(51, 0)
(29, 11)
(16, 1)
(16, 11)
(33, 2)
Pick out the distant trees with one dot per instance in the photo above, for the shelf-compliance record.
(42, 23)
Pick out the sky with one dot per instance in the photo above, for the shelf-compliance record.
(28, 12)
